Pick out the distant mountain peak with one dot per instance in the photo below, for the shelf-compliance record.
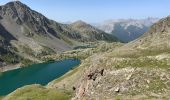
(25, 25)
(79, 23)
(127, 29)
(15, 4)
(157, 38)
(91, 32)
(22, 14)
(15, 9)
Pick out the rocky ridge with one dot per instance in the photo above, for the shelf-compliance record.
(30, 35)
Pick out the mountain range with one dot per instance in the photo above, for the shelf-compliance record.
(127, 29)
(29, 34)
(110, 70)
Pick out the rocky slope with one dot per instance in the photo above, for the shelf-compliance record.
(30, 35)
(90, 33)
(127, 29)
(138, 70)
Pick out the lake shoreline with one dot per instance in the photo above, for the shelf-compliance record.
(34, 74)
(19, 65)
(10, 67)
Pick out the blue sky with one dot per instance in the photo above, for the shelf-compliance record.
(98, 10)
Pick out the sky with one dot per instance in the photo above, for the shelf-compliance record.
(98, 10)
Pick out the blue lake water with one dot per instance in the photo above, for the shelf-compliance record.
(34, 74)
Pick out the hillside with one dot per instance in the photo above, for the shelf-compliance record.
(90, 33)
(137, 70)
(32, 35)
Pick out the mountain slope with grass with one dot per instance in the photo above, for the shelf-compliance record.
(137, 70)
(90, 33)
(30, 35)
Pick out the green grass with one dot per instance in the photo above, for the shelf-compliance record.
(27, 50)
(1, 97)
(66, 39)
(157, 86)
(37, 92)
(142, 62)
(118, 98)
(45, 51)
(10, 58)
(141, 53)
(67, 75)
(26, 62)
(153, 52)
